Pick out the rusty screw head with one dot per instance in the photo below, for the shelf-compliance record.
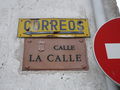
(29, 41)
(81, 41)
(27, 67)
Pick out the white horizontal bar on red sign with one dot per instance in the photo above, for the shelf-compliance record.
(113, 50)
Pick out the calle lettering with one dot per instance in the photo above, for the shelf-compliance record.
(64, 47)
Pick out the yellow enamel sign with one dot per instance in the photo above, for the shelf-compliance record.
(53, 27)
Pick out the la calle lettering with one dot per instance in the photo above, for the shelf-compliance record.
(58, 58)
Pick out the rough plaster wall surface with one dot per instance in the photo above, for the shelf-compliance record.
(11, 48)
(111, 9)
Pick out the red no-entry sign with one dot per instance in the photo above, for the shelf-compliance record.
(107, 49)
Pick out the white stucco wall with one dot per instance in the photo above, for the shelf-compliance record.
(11, 48)
(111, 9)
